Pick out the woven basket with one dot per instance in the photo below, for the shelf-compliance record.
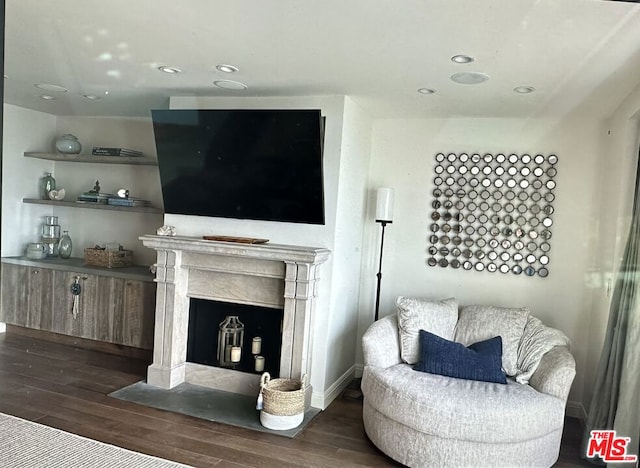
(282, 397)
(108, 258)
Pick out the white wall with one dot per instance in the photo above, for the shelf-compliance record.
(402, 157)
(351, 216)
(24, 130)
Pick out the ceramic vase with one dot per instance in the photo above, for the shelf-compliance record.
(68, 144)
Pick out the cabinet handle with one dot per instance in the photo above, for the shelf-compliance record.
(76, 289)
(35, 272)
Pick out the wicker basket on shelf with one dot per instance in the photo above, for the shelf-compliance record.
(108, 258)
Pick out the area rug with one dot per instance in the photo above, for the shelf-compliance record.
(26, 444)
(206, 403)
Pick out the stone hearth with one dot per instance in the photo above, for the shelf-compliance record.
(268, 275)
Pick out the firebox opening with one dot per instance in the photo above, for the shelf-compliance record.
(205, 317)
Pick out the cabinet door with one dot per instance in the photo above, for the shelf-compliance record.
(98, 305)
(27, 298)
(109, 309)
(134, 327)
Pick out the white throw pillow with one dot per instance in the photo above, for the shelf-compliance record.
(437, 317)
(479, 322)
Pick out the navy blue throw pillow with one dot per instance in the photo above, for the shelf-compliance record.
(480, 361)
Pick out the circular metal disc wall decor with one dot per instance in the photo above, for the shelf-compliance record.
(500, 207)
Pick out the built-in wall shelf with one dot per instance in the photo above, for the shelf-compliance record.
(94, 206)
(88, 158)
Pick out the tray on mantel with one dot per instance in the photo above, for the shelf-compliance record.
(239, 240)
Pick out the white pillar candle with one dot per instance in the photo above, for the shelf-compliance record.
(259, 364)
(384, 204)
(236, 353)
(256, 345)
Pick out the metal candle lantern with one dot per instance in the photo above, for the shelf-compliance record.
(230, 339)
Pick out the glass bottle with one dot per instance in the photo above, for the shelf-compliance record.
(65, 245)
(230, 340)
(47, 184)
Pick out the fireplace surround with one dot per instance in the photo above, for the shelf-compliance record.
(268, 275)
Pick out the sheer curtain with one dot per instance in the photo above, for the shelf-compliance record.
(616, 400)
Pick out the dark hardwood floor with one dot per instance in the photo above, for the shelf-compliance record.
(66, 387)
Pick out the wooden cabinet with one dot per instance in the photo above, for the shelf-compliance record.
(27, 296)
(110, 309)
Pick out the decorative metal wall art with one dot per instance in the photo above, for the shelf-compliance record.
(492, 212)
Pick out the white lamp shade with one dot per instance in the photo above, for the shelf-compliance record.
(384, 204)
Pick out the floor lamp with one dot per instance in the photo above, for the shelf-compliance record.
(384, 216)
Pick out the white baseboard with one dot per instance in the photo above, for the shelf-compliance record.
(359, 370)
(322, 400)
(575, 409)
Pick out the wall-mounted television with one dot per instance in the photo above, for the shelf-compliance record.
(246, 164)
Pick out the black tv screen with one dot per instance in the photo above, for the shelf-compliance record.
(246, 164)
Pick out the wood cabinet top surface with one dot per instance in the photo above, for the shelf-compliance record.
(77, 265)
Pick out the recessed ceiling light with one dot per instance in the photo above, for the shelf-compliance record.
(462, 59)
(229, 84)
(91, 97)
(469, 78)
(524, 89)
(426, 91)
(48, 97)
(50, 87)
(169, 69)
(227, 68)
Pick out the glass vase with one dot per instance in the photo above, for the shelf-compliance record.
(230, 340)
(65, 245)
(47, 184)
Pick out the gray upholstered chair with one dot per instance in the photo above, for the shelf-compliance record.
(423, 419)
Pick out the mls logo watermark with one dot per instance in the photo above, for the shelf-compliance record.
(609, 447)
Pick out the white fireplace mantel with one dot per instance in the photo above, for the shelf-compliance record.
(268, 275)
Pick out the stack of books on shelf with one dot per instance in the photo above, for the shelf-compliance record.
(93, 197)
(130, 201)
(112, 151)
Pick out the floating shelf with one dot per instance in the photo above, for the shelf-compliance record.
(88, 158)
(94, 206)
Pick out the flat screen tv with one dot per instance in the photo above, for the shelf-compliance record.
(246, 164)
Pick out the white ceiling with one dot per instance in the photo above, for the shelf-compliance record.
(574, 52)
